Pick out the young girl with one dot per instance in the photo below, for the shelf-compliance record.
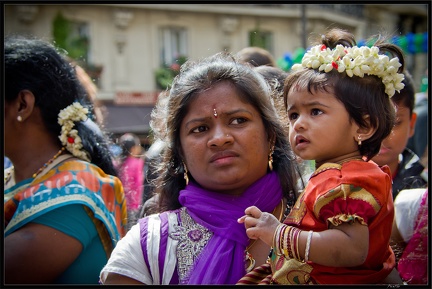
(339, 110)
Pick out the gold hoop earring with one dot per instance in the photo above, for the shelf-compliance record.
(185, 174)
(270, 162)
(359, 142)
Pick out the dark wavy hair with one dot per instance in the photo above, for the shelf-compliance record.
(36, 65)
(360, 95)
(194, 78)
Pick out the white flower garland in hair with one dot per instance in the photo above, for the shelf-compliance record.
(356, 61)
(69, 136)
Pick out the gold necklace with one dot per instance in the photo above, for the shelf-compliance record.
(48, 162)
(9, 174)
(249, 259)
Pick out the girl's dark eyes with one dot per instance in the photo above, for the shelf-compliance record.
(316, 111)
(293, 116)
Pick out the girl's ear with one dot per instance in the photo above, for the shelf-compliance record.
(364, 133)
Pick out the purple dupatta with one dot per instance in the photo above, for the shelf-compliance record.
(222, 261)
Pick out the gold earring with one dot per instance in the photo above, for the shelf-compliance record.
(19, 118)
(359, 142)
(185, 175)
(270, 162)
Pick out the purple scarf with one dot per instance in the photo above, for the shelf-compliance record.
(222, 260)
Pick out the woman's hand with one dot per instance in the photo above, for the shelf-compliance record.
(259, 225)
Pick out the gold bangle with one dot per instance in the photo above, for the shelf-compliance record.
(275, 236)
(308, 242)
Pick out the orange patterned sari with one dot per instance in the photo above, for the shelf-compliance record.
(70, 182)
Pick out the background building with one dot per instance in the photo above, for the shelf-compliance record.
(130, 49)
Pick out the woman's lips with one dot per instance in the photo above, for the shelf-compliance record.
(222, 156)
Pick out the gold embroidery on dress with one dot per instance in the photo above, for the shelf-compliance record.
(192, 239)
(297, 212)
(290, 271)
(346, 191)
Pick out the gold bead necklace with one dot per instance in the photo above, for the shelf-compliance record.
(9, 174)
(48, 162)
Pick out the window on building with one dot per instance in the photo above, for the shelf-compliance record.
(73, 36)
(263, 39)
(79, 39)
(173, 44)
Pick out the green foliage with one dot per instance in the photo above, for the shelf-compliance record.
(165, 74)
(256, 39)
(76, 45)
(61, 30)
(164, 77)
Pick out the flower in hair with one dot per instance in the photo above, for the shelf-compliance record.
(69, 137)
(355, 61)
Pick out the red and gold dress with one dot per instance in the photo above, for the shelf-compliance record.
(355, 191)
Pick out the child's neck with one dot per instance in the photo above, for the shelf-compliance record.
(341, 160)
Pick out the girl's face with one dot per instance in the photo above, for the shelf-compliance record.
(224, 141)
(320, 128)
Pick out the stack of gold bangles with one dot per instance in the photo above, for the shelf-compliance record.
(286, 242)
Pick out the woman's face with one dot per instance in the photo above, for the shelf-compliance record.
(224, 141)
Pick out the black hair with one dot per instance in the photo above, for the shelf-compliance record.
(406, 96)
(36, 65)
(194, 78)
(361, 96)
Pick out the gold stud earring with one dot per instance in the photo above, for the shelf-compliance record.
(19, 118)
(270, 162)
(185, 174)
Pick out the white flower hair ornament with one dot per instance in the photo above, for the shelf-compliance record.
(356, 61)
(69, 137)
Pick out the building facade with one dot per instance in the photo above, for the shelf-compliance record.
(124, 47)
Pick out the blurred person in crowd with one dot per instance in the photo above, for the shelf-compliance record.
(97, 109)
(131, 173)
(256, 56)
(418, 143)
(64, 207)
(7, 162)
(153, 157)
(410, 235)
(225, 149)
(404, 164)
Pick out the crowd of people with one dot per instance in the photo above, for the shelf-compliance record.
(258, 175)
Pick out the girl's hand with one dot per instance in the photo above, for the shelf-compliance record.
(259, 225)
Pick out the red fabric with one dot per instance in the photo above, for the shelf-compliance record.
(354, 191)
